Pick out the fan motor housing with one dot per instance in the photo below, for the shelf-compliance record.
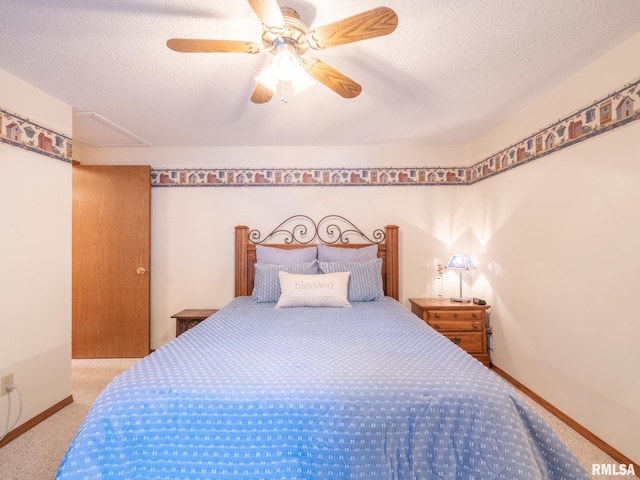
(295, 33)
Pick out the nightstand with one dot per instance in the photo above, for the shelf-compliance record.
(190, 317)
(465, 324)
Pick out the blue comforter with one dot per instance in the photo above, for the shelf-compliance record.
(368, 392)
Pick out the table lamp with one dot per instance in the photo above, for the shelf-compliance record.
(460, 261)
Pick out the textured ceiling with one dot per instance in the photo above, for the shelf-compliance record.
(451, 71)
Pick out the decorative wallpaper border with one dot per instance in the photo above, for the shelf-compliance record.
(602, 116)
(263, 177)
(23, 133)
(612, 111)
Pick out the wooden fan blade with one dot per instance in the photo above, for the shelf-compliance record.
(268, 12)
(332, 78)
(193, 45)
(261, 94)
(372, 23)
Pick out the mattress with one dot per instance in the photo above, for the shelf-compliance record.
(367, 392)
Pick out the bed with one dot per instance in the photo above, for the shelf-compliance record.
(359, 391)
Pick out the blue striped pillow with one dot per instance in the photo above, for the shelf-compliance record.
(365, 282)
(328, 253)
(266, 285)
(283, 256)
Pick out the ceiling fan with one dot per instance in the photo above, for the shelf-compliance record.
(286, 37)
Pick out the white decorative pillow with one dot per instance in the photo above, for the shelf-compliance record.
(329, 290)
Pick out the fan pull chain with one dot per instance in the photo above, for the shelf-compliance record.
(284, 90)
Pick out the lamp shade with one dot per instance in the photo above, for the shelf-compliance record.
(460, 261)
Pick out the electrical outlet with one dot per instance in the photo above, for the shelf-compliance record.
(6, 381)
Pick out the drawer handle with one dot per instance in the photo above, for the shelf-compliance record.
(455, 314)
(456, 340)
(437, 315)
(474, 315)
(475, 326)
(437, 325)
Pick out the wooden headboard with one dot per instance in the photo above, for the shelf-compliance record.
(301, 231)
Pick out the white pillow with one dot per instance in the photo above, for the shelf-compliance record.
(328, 290)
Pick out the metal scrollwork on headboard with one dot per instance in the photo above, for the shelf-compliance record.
(301, 229)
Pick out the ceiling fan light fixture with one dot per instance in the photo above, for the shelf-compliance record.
(269, 78)
(301, 81)
(286, 62)
(286, 66)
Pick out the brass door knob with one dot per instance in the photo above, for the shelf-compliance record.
(141, 271)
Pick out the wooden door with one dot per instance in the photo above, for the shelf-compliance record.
(110, 261)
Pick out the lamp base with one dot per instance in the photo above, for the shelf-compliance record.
(461, 299)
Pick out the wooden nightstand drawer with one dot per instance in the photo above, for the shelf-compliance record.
(468, 315)
(462, 323)
(446, 326)
(469, 342)
(446, 321)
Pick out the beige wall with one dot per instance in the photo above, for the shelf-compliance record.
(558, 241)
(545, 235)
(559, 238)
(35, 268)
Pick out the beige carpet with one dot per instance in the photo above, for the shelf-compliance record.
(36, 454)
